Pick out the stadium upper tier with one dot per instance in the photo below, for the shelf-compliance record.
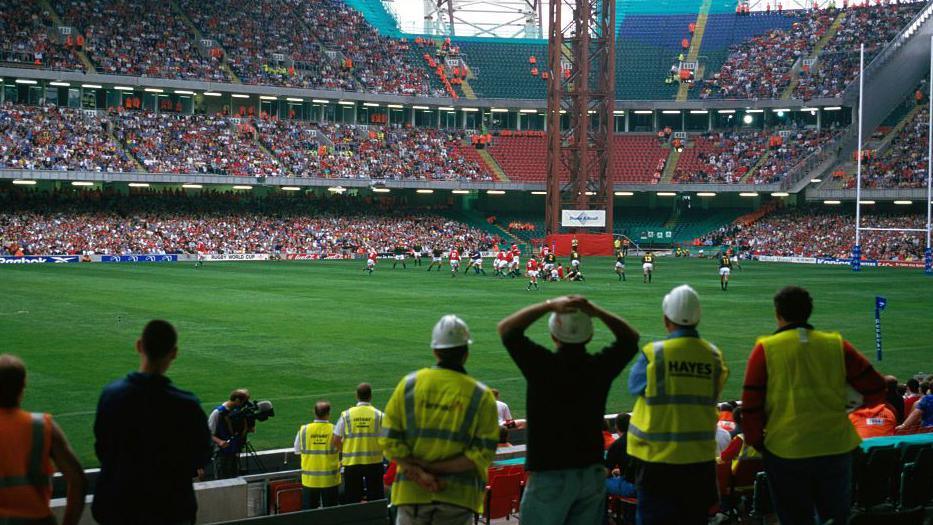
(325, 44)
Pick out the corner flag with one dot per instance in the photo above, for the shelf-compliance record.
(880, 304)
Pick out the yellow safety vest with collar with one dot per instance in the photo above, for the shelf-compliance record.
(805, 399)
(362, 427)
(320, 464)
(675, 420)
(436, 414)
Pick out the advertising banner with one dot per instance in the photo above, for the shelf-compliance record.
(138, 258)
(236, 257)
(40, 259)
(583, 218)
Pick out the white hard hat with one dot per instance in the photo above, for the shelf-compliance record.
(450, 332)
(682, 306)
(571, 327)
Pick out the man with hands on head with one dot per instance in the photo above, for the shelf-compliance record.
(566, 403)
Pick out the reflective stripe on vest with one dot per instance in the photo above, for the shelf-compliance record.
(361, 440)
(675, 420)
(25, 490)
(34, 477)
(805, 397)
(320, 464)
(420, 432)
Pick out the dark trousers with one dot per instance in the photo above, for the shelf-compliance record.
(675, 494)
(312, 498)
(802, 489)
(356, 477)
(226, 466)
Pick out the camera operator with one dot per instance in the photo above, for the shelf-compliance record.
(228, 430)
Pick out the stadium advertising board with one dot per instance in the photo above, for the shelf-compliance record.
(815, 260)
(316, 257)
(39, 259)
(236, 257)
(583, 218)
(901, 264)
(657, 235)
(138, 258)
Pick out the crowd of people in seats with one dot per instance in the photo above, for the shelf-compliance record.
(54, 138)
(27, 36)
(348, 151)
(139, 38)
(785, 153)
(809, 233)
(904, 163)
(761, 66)
(725, 157)
(382, 64)
(267, 43)
(838, 61)
(171, 143)
(95, 222)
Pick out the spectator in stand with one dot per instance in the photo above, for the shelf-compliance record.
(32, 442)
(566, 483)
(620, 480)
(151, 439)
(921, 415)
(442, 454)
(893, 398)
(912, 395)
(672, 434)
(873, 421)
(904, 163)
(793, 411)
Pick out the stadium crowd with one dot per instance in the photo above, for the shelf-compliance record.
(904, 163)
(169, 222)
(838, 61)
(811, 233)
(139, 38)
(26, 37)
(763, 66)
(54, 138)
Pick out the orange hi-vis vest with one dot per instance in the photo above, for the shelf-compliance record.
(26, 440)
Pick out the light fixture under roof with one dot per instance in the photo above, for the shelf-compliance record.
(183, 92)
(832, 202)
(424, 191)
(138, 185)
(539, 193)
(381, 190)
(706, 194)
(748, 194)
(666, 194)
(903, 203)
(212, 94)
(24, 182)
(152, 90)
(291, 188)
(60, 84)
(82, 183)
(293, 99)
(25, 81)
(624, 193)
(268, 97)
(780, 194)
(192, 186)
(242, 187)
(460, 192)
(320, 101)
(495, 192)
(128, 88)
(239, 95)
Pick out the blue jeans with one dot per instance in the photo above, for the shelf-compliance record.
(565, 497)
(811, 490)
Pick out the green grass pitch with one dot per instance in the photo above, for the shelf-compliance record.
(296, 332)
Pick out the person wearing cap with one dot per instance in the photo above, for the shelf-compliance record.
(565, 403)
(794, 411)
(672, 433)
(441, 430)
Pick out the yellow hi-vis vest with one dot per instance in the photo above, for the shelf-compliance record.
(805, 400)
(747, 452)
(362, 427)
(675, 420)
(320, 464)
(436, 414)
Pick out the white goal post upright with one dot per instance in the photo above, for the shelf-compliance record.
(857, 248)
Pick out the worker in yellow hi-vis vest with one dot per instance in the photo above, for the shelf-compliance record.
(320, 460)
(357, 431)
(672, 433)
(441, 429)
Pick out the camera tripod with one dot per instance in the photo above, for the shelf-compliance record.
(250, 455)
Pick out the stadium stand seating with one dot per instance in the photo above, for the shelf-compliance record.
(27, 38)
(156, 223)
(139, 38)
(647, 46)
(904, 163)
(501, 68)
(814, 233)
(53, 138)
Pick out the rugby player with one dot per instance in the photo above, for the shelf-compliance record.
(620, 264)
(647, 266)
(454, 257)
(725, 268)
(531, 268)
